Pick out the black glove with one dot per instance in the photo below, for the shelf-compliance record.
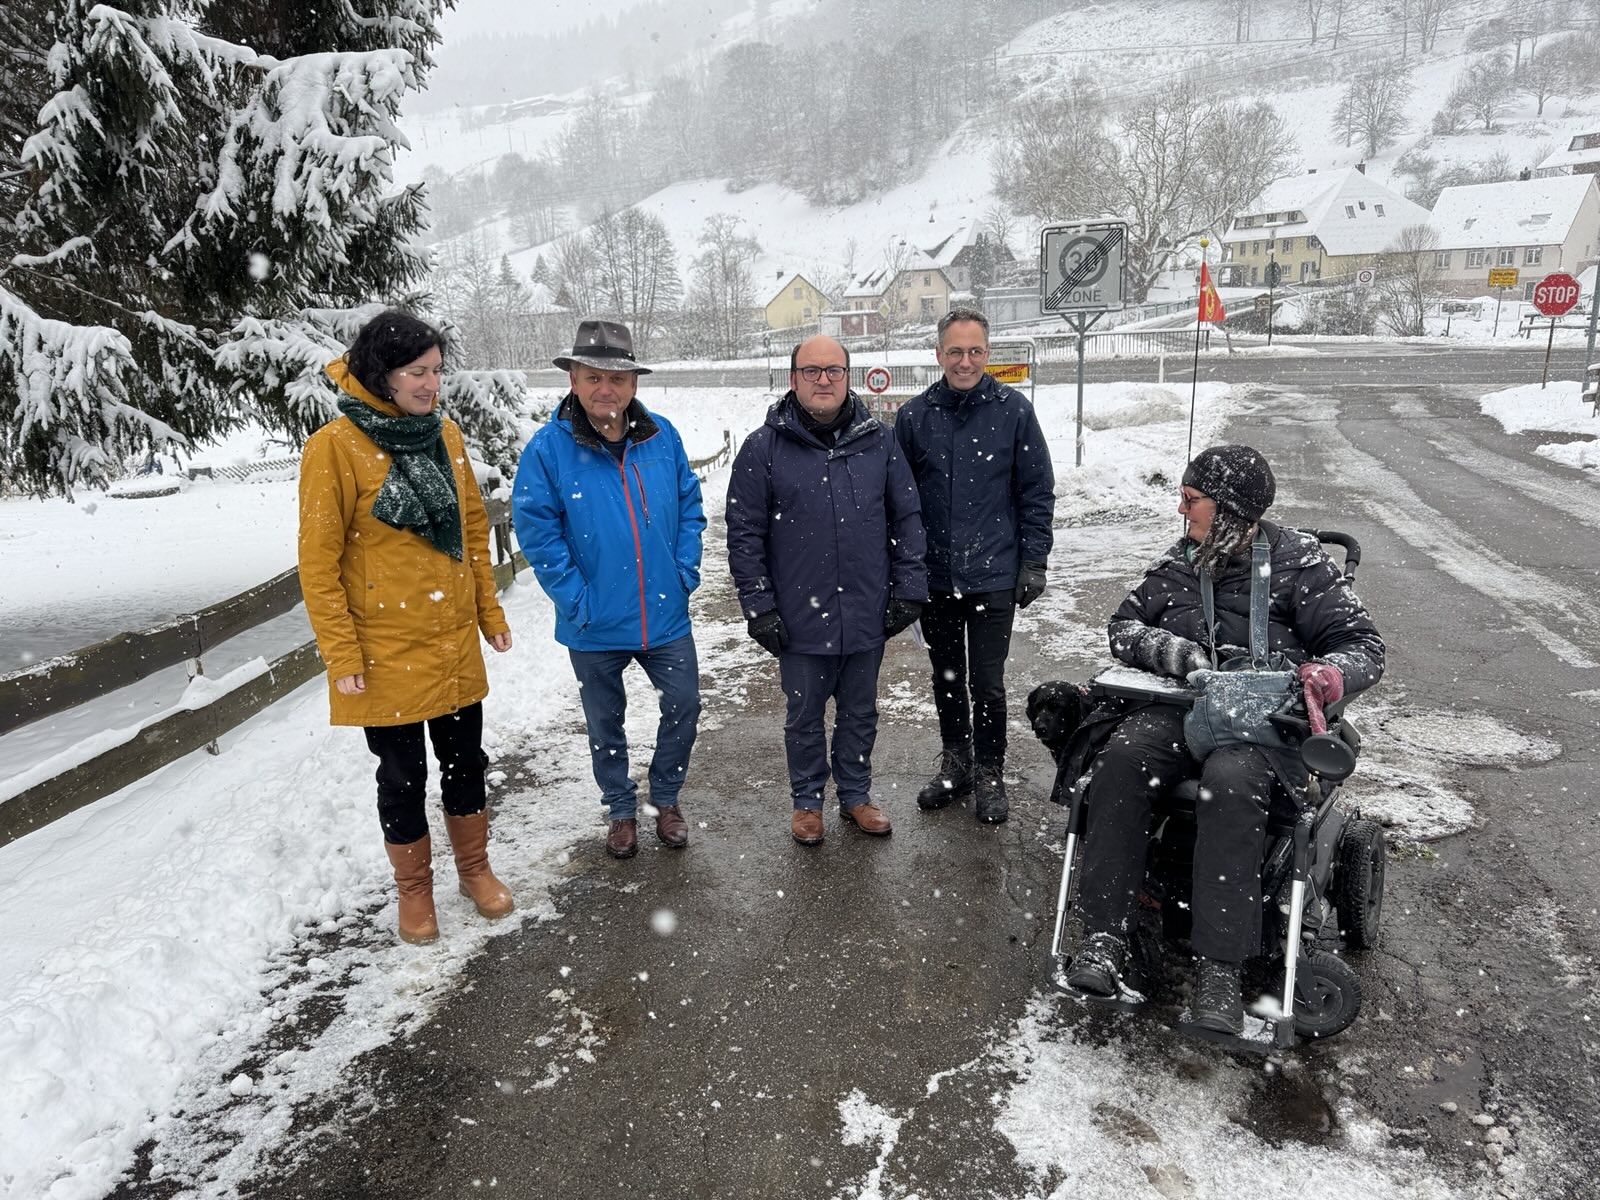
(769, 631)
(1030, 583)
(897, 618)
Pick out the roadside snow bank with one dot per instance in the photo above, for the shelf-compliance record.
(1559, 408)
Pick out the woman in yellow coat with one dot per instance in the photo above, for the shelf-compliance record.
(395, 569)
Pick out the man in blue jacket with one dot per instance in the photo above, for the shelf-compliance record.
(608, 514)
(825, 545)
(988, 502)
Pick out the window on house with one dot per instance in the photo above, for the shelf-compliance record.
(927, 280)
(1378, 208)
(807, 312)
(1477, 258)
(1362, 205)
(1255, 276)
(1312, 243)
(799, 293)
(1508, 256)
(1441, 259)
(1288, 245)
(1533, 256)
(1469, 222)
(1350, 211)
(1255, 247)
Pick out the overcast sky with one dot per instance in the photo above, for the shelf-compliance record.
(472, 17)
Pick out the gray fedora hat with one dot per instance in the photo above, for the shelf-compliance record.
(604, 345)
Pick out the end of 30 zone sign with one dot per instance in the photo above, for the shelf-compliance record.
(1080, 267)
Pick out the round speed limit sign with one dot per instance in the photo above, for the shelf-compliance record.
(877, 380)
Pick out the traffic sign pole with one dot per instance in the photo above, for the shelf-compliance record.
(1544, 382)
(1080, 277)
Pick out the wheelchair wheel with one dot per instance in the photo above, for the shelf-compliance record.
(1327, 995)
(1359, 897)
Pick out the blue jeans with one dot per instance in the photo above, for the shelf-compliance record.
(674, 672)
(808, 682)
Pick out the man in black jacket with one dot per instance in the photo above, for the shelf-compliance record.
(825, 545)
(988, 502)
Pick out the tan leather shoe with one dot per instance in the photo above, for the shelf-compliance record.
(806, 826)
(469, 838)
(623, 840)
(671, 828)
(413, 881)
(868, 818)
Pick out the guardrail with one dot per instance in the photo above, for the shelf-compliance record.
(65, 682)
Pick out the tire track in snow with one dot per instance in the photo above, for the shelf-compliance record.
(1530, 598)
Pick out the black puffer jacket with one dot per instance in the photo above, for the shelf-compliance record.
(1313, 613)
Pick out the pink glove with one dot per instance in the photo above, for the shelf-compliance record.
(1323, 685)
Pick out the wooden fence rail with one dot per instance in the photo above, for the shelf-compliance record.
(72, 679)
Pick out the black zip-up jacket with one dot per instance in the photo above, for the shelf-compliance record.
(987, 485)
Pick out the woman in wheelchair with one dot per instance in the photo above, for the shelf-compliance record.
(1316, 627)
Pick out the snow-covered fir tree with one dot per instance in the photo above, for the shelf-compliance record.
(196, 199)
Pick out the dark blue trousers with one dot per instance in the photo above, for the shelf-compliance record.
(851, 682)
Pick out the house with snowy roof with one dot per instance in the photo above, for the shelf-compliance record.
(1536, 225)
(907, 287)
(796, 304)
(1580, 156)
(1316, 226)
(968, 255)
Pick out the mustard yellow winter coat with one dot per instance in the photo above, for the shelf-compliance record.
(383, 602)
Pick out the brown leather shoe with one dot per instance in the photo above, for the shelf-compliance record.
(671, 828)
(868, 818)
(806, 825)
(623, 840)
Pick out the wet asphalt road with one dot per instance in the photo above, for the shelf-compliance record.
(589, 1056)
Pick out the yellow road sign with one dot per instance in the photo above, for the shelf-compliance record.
(1009, 372)
(1502, 277)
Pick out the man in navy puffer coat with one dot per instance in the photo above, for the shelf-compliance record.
(988, 502)
(825, 545)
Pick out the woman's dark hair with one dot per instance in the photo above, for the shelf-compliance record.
(391, 339)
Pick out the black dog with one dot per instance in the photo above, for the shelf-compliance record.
(1055, 710)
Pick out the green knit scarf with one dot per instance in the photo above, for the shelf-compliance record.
(419, 493)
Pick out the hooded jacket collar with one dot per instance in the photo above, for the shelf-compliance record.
(636, 418)
(339, 371)
(784, 417)
(945, 396)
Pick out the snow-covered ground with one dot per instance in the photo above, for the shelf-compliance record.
(173, 980)
(1559, 408)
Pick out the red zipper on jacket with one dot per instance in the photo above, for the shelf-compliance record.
(638, 551)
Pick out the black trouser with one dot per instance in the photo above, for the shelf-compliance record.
(851, 682)
(403, 771)
(1142, 759)
(968, 638)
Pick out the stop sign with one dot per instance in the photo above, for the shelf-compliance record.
(1555, 294)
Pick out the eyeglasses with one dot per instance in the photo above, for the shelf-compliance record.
(958, 352)
(834, 374)
(1185, 500)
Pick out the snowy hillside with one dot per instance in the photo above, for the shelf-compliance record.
(1130, 49)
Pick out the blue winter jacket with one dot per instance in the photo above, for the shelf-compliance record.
(824, 536)
(988, 489)
(615, 544)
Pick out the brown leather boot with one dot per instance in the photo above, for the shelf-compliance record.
(469, 838)
(805, 826)
(868, 818)
(413, 881)
(623, 840)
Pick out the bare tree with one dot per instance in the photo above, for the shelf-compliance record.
(722, 291)
(1182, 167)
(636, 270)
(1241, 11)
(1408, 281)
(1373, 105)
(1001, 225)
(1043, 166)
(1426, 18)
(1314, 12)
(1485, 89)
(576, 274)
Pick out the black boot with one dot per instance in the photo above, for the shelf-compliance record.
(991, 806)
(1217, 1003)
(1097, 969)
(952, 781)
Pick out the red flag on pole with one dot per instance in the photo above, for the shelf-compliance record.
(1210, 303)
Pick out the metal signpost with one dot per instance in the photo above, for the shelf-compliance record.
(1081, 277)
(1554, 296)
(1500, 278)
